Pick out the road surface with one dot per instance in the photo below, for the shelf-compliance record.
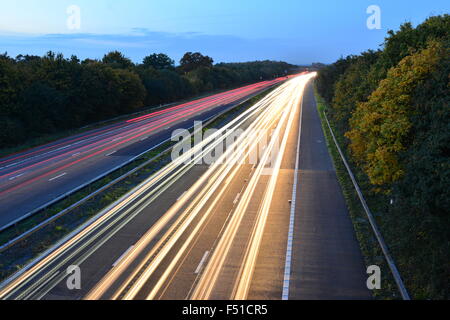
(270, 226)
(36, 177)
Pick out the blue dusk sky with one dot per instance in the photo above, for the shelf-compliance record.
(296, 31)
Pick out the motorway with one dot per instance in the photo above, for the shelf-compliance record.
(37, 177)
(265, 220)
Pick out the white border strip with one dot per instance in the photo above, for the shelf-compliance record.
(384, 248)
(287, 266)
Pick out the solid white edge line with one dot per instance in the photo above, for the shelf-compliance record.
(61, 175)
(287, 267)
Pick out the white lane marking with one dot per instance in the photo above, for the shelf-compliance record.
(181, 195)
(111, 153)
(75, 154)
(54, 178)
(45, 254)
(47, 281)
(144, 138)
(287, 266)
(12, 164)
(22, 161)
(200, 265)
(19, 175)
(62, 148)
(122, 256)
(237, 198)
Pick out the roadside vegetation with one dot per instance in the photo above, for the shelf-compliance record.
(51, 95)
(390, 111)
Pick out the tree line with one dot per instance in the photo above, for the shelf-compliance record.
(49, 94)
(392, 107)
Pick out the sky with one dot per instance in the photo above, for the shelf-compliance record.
(296, 31)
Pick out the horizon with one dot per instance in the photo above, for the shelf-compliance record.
(227, 33)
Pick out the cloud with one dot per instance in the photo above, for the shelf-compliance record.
(140, 42)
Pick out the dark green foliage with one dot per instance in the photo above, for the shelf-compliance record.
(192, 61)
(427, 164)
(116, 59)
(50, 94)
(329, 75)
(393, 105)
(257, 70)
(352, 87)
(158, 61)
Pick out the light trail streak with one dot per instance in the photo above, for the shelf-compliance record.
(213, 182)
(128, 137)
(168, 242)
(122, 125)
(175, 117)
(246, 271)
(84, 241)
(212, 270)
(93, 230)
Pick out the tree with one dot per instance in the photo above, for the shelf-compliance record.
(381, 126)
(131, 91)
(192, 61)
(408, 40)
(42, 95)
(159, 61)
(352, 88)
(400, 137)
(117, 60)
(108, 92)
(10, 84)
(424, 188)
(11, 131)
(329, 75)
(43, 108)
